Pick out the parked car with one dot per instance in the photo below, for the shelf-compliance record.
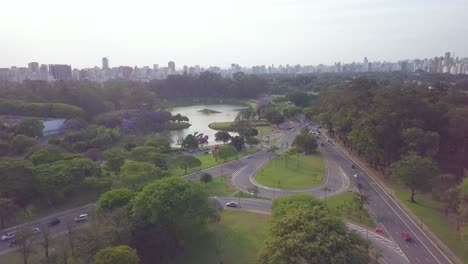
(12, 243)
(81, 217)
(8, 236)
(231, 204)
(54, 222)
(36, 230)
(378, 229)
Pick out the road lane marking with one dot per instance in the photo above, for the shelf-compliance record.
(396, 203)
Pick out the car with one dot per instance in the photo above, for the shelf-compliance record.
(328, 140)
(249, 156)
(207, 152)
(81, 217)
(406, 237)
(353, 166)
(8, 236)
(12, 243)
(231, 204)
(36, 230)
(356, 176)
(378, 229)
(54, 222)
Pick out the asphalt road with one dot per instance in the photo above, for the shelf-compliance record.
(339, 177)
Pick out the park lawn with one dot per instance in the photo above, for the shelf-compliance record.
(302, 172)
(264, 130)
(344, 205)
(241, 235)
(219, 187)
(221, 126)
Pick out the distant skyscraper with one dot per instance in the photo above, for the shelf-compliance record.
(185, 69)
(105, 63)
(33, 67)
(60, 71)
(171, 66)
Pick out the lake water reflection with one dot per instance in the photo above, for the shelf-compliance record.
(200, 121)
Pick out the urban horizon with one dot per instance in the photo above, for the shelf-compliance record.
(447, 63)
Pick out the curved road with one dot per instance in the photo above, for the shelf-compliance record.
(338, 178)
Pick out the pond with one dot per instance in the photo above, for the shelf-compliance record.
(201, 119)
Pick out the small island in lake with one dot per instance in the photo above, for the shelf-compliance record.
(209, 111)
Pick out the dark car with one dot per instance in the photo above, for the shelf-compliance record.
(54, 222)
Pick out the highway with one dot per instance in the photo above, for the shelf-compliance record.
(338, 178)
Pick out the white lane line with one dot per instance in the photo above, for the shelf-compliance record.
(397, 214)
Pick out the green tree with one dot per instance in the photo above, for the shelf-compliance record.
(54, 140)
(116, 255)
(115, 158)
(21, 143)
(206, 178)
(189, 205)
(24, 240)
(225, 152)
(30, 127)
(149, 154)
(190, 142)
(222, 136)
(186, 161)
(50, 155)
(425, 143)
(305, 143)
(136, 173)
(252, 140)
(7, 211)
(18, 181)
(415, 172)
(115, 198)
(162, 144)
(310, 234)
(238, 142)
(58, 179)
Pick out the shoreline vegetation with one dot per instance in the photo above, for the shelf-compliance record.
(229, 126)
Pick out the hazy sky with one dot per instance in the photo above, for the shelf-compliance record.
(221, 32)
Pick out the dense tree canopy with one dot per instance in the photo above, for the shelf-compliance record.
(116, 255)
(29, 127)
(115, 198)
(306, 232)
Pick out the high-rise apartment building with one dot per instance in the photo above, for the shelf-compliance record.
(171, 66)
(105, 63)
(33, 67)
(60, 71)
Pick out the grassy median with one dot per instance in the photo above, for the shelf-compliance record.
(293, 172)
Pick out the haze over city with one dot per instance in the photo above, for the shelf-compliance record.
(244, 32)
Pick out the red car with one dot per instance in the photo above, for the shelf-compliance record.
(406, 236)
(378, 229)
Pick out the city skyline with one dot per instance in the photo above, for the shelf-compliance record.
(447, 63)
(245, 32)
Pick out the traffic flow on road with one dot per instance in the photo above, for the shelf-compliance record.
(399, 236)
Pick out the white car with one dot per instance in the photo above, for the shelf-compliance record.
(36, 230)
(81, 217)
(8, 236)
(231, 204)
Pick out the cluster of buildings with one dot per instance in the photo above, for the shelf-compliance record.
(35, 71)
